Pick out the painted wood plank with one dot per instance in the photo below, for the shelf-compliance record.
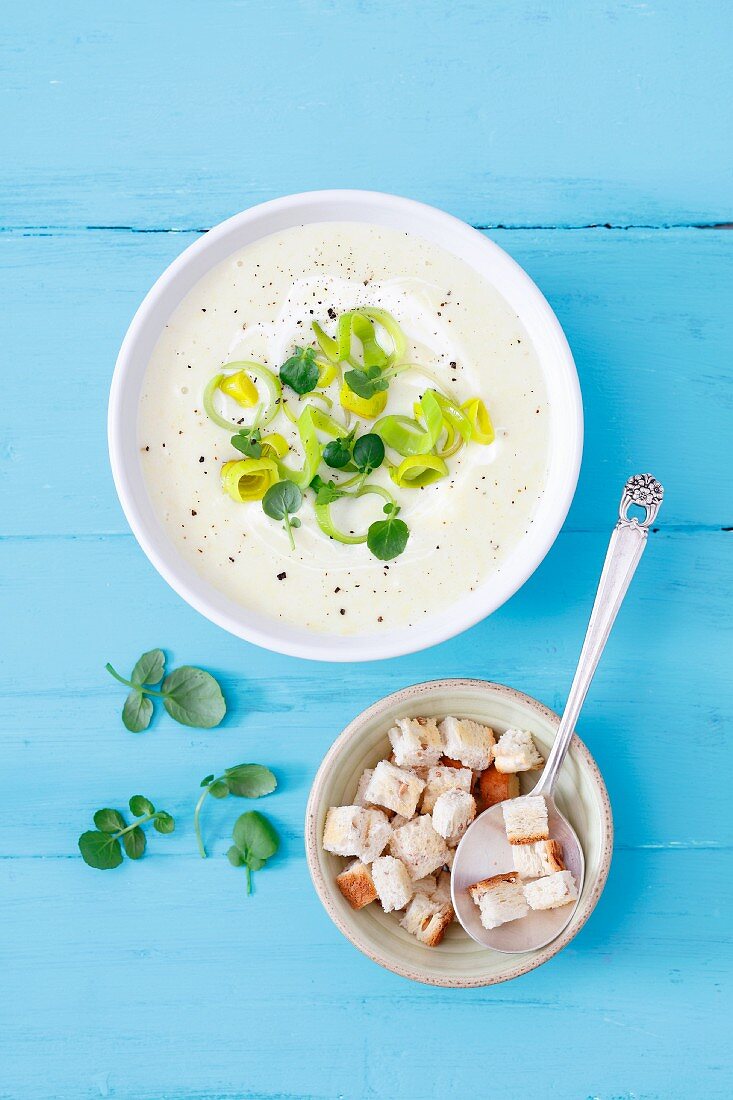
(164, 980)
(646, 314)
(174, 114)
(660, 703)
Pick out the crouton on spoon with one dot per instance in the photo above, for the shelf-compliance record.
(518, 871)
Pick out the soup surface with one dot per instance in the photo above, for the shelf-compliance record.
(257, 305)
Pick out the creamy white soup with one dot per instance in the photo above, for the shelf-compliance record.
(258, 305)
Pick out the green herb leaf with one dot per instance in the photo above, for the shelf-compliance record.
(235, 857)
(282, 499)
(328, 493)
(368, 453)
(250, 780)
(150, 668)
(137, 712)
(100, 850)
(387, 538)
(208, 779)
(365, 383)
(280, 502)
(109, 821)
(255, 836)
(193, 697)
(219, 789)
(256, 840)
(248, 442)
(139, 805)
(134, 842)
(337, 453)
(300, 371)
(163, 822)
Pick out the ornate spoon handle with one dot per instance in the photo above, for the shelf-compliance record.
(624, 551)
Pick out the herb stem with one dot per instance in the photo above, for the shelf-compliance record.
(249, 878)
(140, 821)
(142, 688)
(197, 824)
(289, 529)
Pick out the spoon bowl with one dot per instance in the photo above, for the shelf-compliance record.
(485, 851)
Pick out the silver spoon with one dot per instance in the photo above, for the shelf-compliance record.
(484, 851)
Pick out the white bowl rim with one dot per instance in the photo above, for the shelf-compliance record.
(525, 963)
(273, 634)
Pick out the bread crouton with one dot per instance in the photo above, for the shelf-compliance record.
(361, 787)
(427, 919)
(500, 899)
(392, 883)
(526, 819)
(419, 847)
(442, 890)
(395, 788)
(442, 778)
(467, 741)
(493, 787)
(354, 831)
(452, 814)
(416, 742)
(357, 885)
(426, 885)
(552, 891)
(535, 860)
(515, 751)
(449, 762)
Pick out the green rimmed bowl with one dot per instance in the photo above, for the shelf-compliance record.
(459, 961)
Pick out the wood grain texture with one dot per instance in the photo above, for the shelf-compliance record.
(162, 981)
(513, 112)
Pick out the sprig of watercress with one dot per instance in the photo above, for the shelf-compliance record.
(190, 695)
(255, 841)
(281, 501)
(242, 781)
(101, 847)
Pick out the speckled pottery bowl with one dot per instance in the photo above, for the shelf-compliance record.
(459, 961)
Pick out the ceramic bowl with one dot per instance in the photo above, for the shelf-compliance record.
(561, 380)
(458, 961)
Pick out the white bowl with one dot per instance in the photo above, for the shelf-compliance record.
(486, 258)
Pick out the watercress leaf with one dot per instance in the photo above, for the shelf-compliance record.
(248, 442)
(300, 371)
(100, 850)
(327, 493)
(255, 863)
(150, 668)
(250, 780)
(193, 697)
(137, 712)
(255, 836)
(337, 453)
(295, 522)
(163, 822)
(362, 385)
(282, 499)
(387, 538)
(220, 789)
(140, 805)
(368, 453)
(109, 821)
(235, 857)
(206, 780)
(134, 842)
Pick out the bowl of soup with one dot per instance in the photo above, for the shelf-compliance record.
(345, 426)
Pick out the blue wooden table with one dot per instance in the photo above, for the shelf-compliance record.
(591, 141)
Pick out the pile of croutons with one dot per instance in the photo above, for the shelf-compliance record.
(409, 813)
(536, 857)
